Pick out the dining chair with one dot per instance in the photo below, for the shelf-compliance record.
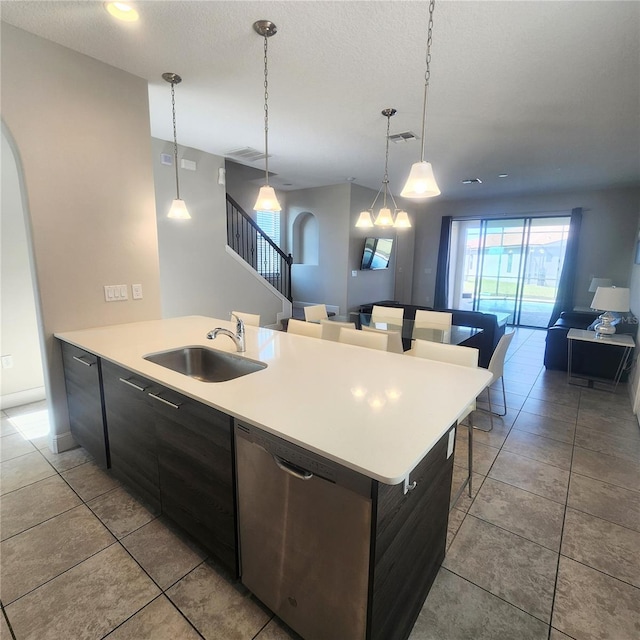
(466, 357)
(364, 338)
(302, 328)
(315, 312)
(395, 339)
(384, 314)
(331, 329)
(424, 319)
(250, 319)
(496, 366)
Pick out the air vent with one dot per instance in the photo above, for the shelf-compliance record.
(404, 136)
(472, 181)
(246, 153)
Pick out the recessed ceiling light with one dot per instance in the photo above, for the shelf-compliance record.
(503, 175)
(350, 179)
(472, 181)
(122, 11)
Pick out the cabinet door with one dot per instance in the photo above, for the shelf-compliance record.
(84, 399)
(130, 423)
(196, 466)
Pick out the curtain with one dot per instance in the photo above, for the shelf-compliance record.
(566, 285)
(441, 295)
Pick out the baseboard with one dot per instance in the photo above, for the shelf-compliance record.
(62, 442)
(22, 397)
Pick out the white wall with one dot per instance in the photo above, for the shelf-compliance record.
(607, 237)
(198, 276)
(24, 382)
(81, 129)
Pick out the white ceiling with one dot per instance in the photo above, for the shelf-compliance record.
(546, 91)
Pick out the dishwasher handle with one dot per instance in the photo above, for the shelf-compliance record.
(296, 472)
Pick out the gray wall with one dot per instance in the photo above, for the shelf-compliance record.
(81, 131)
(607, 238)
(197, 275)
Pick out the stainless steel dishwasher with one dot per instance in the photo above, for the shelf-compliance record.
(305, 529)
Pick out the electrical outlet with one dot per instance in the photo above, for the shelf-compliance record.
(7, 362)
(354, 274)
(136, 291)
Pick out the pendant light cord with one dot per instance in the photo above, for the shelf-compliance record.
(385, 180)
(266, 111)
(175, 138)
(427, 75)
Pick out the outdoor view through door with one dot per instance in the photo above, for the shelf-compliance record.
(508, 266)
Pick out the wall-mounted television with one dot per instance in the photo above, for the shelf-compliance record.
(376, 254)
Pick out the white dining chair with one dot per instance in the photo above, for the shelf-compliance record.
(250, 319)
(302, 328)
(496, 366)
(439, 320)
(364, 338)
(331, 329)
(315, 312)
(395, 339)
(386, 314)
(466, 357)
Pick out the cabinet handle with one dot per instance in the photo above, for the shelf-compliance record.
(171, 404)
(296, 472)
(132, 384)
(84, 362)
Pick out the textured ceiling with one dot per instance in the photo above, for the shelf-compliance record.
(546, 91)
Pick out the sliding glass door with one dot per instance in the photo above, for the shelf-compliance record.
(508, 266)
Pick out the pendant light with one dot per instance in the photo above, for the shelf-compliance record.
(384, 218)
(178, 210)
(421, 182)
(267, 200)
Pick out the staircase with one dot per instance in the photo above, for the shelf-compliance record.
(246, 238)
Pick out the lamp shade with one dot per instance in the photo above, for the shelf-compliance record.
(611, 299)
(178, 210)
(384, 218)
(364, 220)
(402, 220)
(599, 282)
(267, 200)
(421, 182)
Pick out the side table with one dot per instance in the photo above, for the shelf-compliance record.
(622, 340)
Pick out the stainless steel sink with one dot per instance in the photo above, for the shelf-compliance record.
(208, 365)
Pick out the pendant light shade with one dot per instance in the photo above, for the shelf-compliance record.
(421, 182)
(402, 220)
(384, 218)
(178, 210)
(364, 220)
(267, 200)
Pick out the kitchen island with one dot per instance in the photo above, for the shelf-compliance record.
(384, 421)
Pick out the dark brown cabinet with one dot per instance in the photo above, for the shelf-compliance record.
(82, 376)
(176, 454)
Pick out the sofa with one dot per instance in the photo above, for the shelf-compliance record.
(485, 342)
(589, 360)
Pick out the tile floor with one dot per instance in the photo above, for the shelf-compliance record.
(548, 548)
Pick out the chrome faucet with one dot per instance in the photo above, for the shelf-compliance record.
(238, 337)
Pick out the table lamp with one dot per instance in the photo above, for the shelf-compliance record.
(599, 282)
(609, 299)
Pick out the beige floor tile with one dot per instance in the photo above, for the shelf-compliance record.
(590, 605)
(531, 475)
(35, 503)
(558, 635)
(32, 407)
(545, 426)
(517, 570)
(41, 553)
(551, 409)
(217, 607)
(89, 481)
(526, 514)
(67, 459)
(277, 630)
(521, 388)
(605, 546)
(618, 427)
(13, 446)
(6, 426)
(121, 512)
(86, 602)
(459, 610)
(464, 500)
(605, 501)
(539, 448)
(610, 469)
(5, 633)
(483, 456)
(159, 620)
(618, 447)
(20, 472)
(164, 553)
(558, 393)
(455, 520)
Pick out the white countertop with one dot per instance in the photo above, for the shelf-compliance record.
(375, 412)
